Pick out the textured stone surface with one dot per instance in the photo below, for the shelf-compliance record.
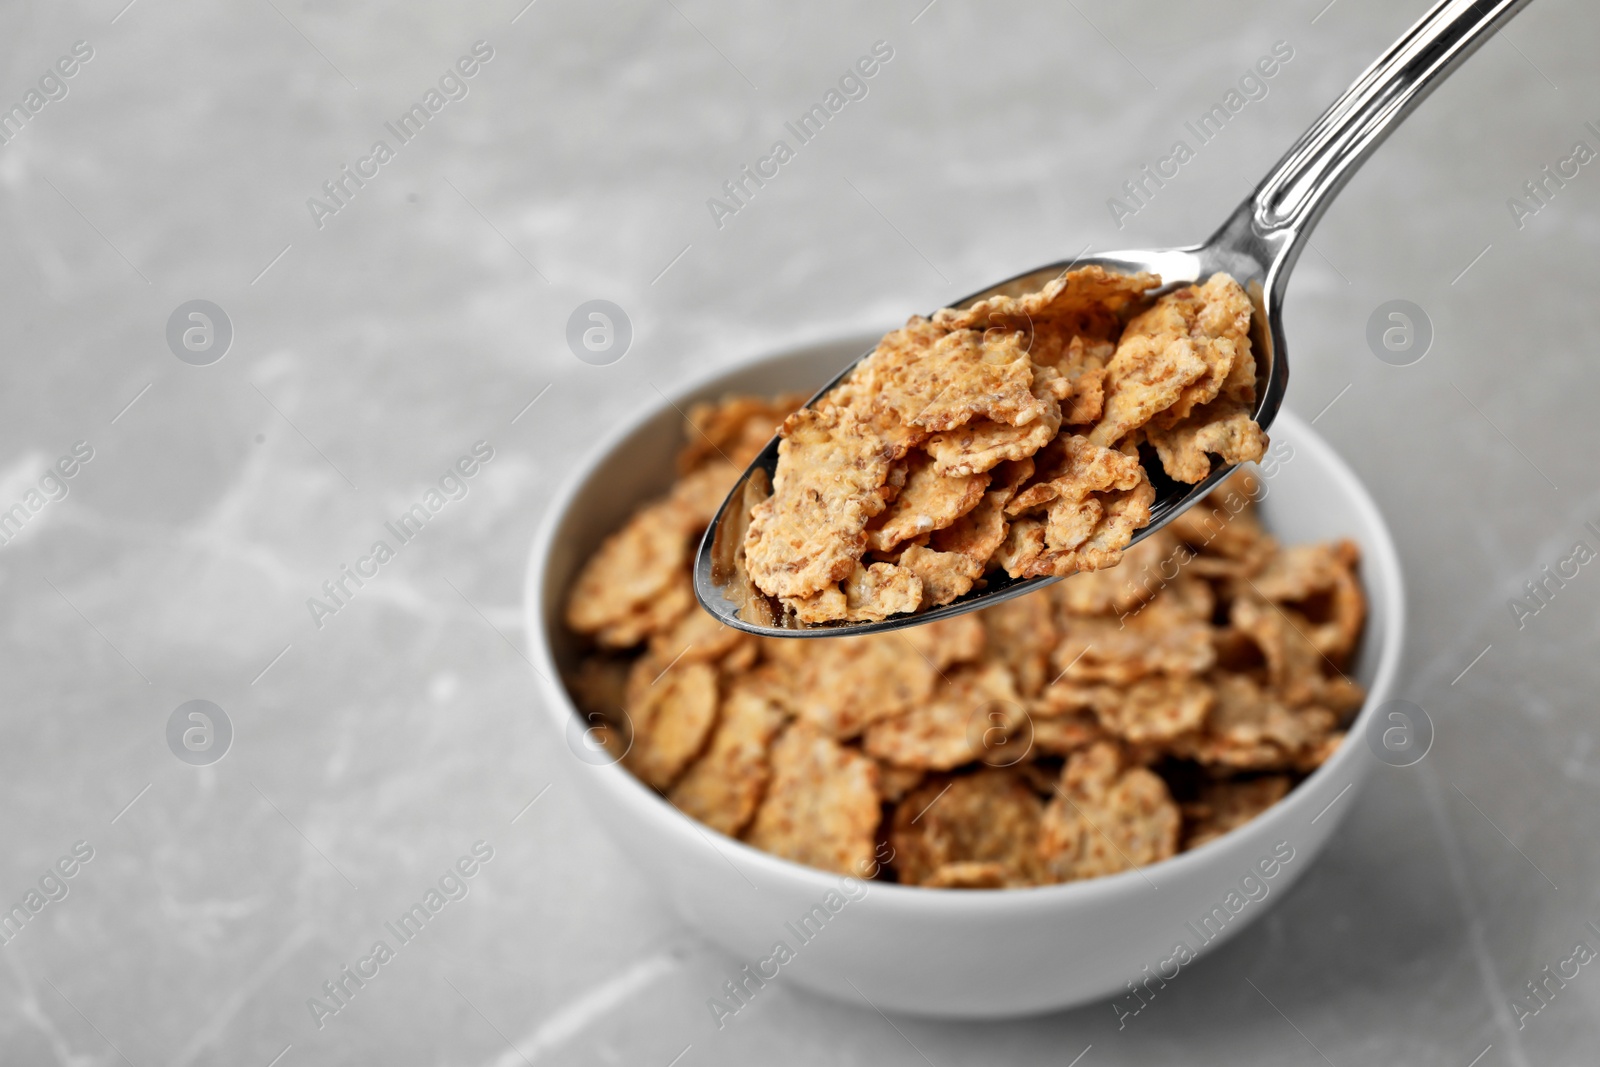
(425, 315)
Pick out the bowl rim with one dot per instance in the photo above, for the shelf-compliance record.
(1382, 564)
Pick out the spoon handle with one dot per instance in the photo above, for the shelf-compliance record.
(1294, 194)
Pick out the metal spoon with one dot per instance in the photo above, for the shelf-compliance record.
(1258, 245)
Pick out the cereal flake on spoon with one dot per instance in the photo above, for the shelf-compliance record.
(1005, 436)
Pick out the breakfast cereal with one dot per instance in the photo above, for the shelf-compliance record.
(1097, 725)
(1064, 385)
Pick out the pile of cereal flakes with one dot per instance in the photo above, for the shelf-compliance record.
(1104, 722)
(1005, 436)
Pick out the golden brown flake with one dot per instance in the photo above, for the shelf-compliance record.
(954, 726)
(944, 575)
(1145, 568)
(982, 444)
(723, 786)
(1247, 729)
(1171, 635)
(734, 429)
(895, 782)
(1122, 514)
(927, 502)
(1319, 581)
(1153, 710)
(978, 534)
(698, 495)
(1082, 301)
(1151, 370)
(969, 876)
(1106, 818)
(938, 380)
(696, 637)
(632, 568)
(672, 710)
(1022, 547)
(1021, 634)
(842, 684)
(1223, 428)
(1215, 317)
(809, 533)
(1070, 469)
(654, 616)
(1062, 735)
(821, 805)
(947, 641)
(978, 831)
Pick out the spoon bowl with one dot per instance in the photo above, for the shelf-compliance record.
(1258, 245)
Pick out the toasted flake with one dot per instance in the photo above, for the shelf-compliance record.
(1106, 818)
(948, 641)
(982, 444)
(1225, 531)
(672, 710)
(869, 594)
(1022, 547)
(809, 533)
(1215, 316)
(1228, 804)
(697, 496)
(944, 575)
(696, 637)
(977, 534)
(978, 831)
(1222, 428)
(1062, 735)
(1081, 386)
(1170, 635)
(1297, 669)
(631, 568)
(874, 593)
(654, 616)
(938, 380)
(1070, 469)
(842, 684)
(1123, 514)
(821, 805)
(723, 786)
(862, 394)
(1151, 370)
(1248, 729)
(1154, 710)
(1021, 635)
(954, 726)
(1144, 569)
(1085, 300)
(928, 502)
(1319, 581)
(734, 429)
(969, 876)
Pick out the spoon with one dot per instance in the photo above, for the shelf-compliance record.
(1258, 245)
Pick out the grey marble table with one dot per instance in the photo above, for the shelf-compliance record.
(382, 327)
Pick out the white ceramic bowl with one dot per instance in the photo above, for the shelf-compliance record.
(959, 953)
